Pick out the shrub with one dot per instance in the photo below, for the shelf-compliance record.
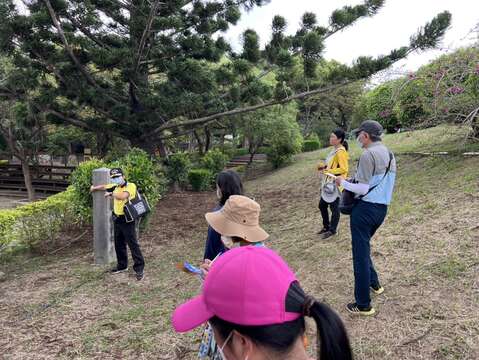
(262, 150)
(81, 180)
(285, 142)
(241, 152)
(240, 169)
(138, 167)
(311, 143)
(177, 170)
(215, 161)
(200, 179)
(228, 150)
(37, 223)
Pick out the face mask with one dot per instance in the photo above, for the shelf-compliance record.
(358, 140)
(220, 349)
(117, 180)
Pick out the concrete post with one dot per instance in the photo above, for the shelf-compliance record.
(102, 222)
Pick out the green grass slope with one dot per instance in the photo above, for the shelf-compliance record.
(426, 254)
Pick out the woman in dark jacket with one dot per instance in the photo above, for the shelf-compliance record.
(227, 183)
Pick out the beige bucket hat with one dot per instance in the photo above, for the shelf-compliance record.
(238, 217)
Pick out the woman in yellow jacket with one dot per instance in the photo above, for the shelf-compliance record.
(336, 164)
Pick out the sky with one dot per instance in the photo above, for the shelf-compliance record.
(390, 28)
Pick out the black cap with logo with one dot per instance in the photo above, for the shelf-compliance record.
(115, 172)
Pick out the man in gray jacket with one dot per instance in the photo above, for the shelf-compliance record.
(373, 185)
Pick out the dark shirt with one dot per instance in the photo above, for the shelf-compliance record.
(214, 245)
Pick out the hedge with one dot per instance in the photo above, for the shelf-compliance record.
(36, 223)
(200, 179)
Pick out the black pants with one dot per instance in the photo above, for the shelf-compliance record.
(323, 206)
(125, 233)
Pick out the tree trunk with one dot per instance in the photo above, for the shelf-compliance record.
(103, 141)
(200, 143)
(162, 149)
(28, 178)
(208, 139)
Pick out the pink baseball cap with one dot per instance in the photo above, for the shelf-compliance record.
(245, 286)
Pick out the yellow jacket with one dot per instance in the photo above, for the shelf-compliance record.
(339, 163)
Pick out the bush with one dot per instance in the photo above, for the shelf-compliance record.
(37, 223)
(200, 179)
(311, 143)
(228, 150)
(81, 180)
(178, 167)
(215, 161)
(262, 150)
(241, 152)
(138, 167)
(285, 142)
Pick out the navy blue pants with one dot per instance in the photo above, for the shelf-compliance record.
(365, 219)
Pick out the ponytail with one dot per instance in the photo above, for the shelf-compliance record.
(332, 338)
(279, 339)
(345, 144)
(332, 342)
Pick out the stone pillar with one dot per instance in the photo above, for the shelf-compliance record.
(102, 222)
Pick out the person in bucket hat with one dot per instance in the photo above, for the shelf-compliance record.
(237, 224)
(257, 310)
(228, 183)
(239, 218)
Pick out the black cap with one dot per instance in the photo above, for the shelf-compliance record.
(371, 127)
(115, 172)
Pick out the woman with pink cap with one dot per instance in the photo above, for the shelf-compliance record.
(256, 308)
(237, 224)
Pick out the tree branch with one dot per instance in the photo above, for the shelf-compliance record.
(146, 34)
(69, 50)
(87, 32)
(207, 119)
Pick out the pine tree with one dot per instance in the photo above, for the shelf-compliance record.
(147, 70)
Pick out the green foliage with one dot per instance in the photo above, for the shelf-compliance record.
(251, 50)
(445, 90)
(200, 179)
(59, 139)
(215, 161)
(241, 152)
(36, 224)
(285, 138)
(81, 180)
(138, 167)
(311, 143)
(179, 165)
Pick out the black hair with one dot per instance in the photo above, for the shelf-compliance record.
(332, 338)
(341, 135)
(229, 183)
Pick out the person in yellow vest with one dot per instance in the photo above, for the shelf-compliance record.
(125, 232)
(337, 165)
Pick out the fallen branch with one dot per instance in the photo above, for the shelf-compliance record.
(438, 153)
